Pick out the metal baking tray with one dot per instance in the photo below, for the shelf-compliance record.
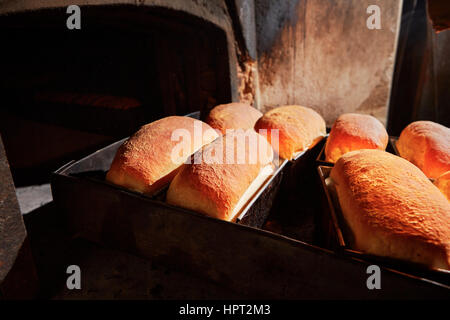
(338, 238)
(91, 171)
(254, 262)
(240, 257)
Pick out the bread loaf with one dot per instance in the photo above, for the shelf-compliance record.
(299, 128)
(392, 208)
(148, 160)
(233, 116)
(427, 145)
(221, 186)
(353, 131)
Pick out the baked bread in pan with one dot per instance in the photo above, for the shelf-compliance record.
(443, 183)
(392, 208)
(149, 160)
(300, 128)
(352, 131)
(220, 187)
(233, 116)
(427, 145)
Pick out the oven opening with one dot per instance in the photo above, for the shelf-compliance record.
(67, 93)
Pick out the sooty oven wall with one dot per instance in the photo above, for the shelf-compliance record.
(68, 92)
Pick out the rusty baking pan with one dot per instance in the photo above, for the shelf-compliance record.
(391, 148)
(338, 237)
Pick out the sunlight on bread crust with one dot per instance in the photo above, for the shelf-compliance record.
(392, 208)
(220, 189)
(144, 162)
(353, 131)
(427, 145)
(299, 128)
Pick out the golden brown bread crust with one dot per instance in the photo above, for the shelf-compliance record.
(233, 116)
(427, 145)
(443, 184)
(352, 131)
(144, 162)
(392, 208)
(215, 187)
(299, 128)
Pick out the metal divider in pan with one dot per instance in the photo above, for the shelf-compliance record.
(343, 239)
(295, 210)
(267, 190)
(320, 160)
(306, 158)
(336, 239)
(393, 145)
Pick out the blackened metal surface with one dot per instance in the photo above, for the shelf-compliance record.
(18, 278)
(252, 261)
(271, 18)
(258, 211)
(242, 13)
(296, 208)
(332, 236)
(22, 280)
(12, 229)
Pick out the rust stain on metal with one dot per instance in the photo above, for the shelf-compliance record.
(328, 59)
(246, 81)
